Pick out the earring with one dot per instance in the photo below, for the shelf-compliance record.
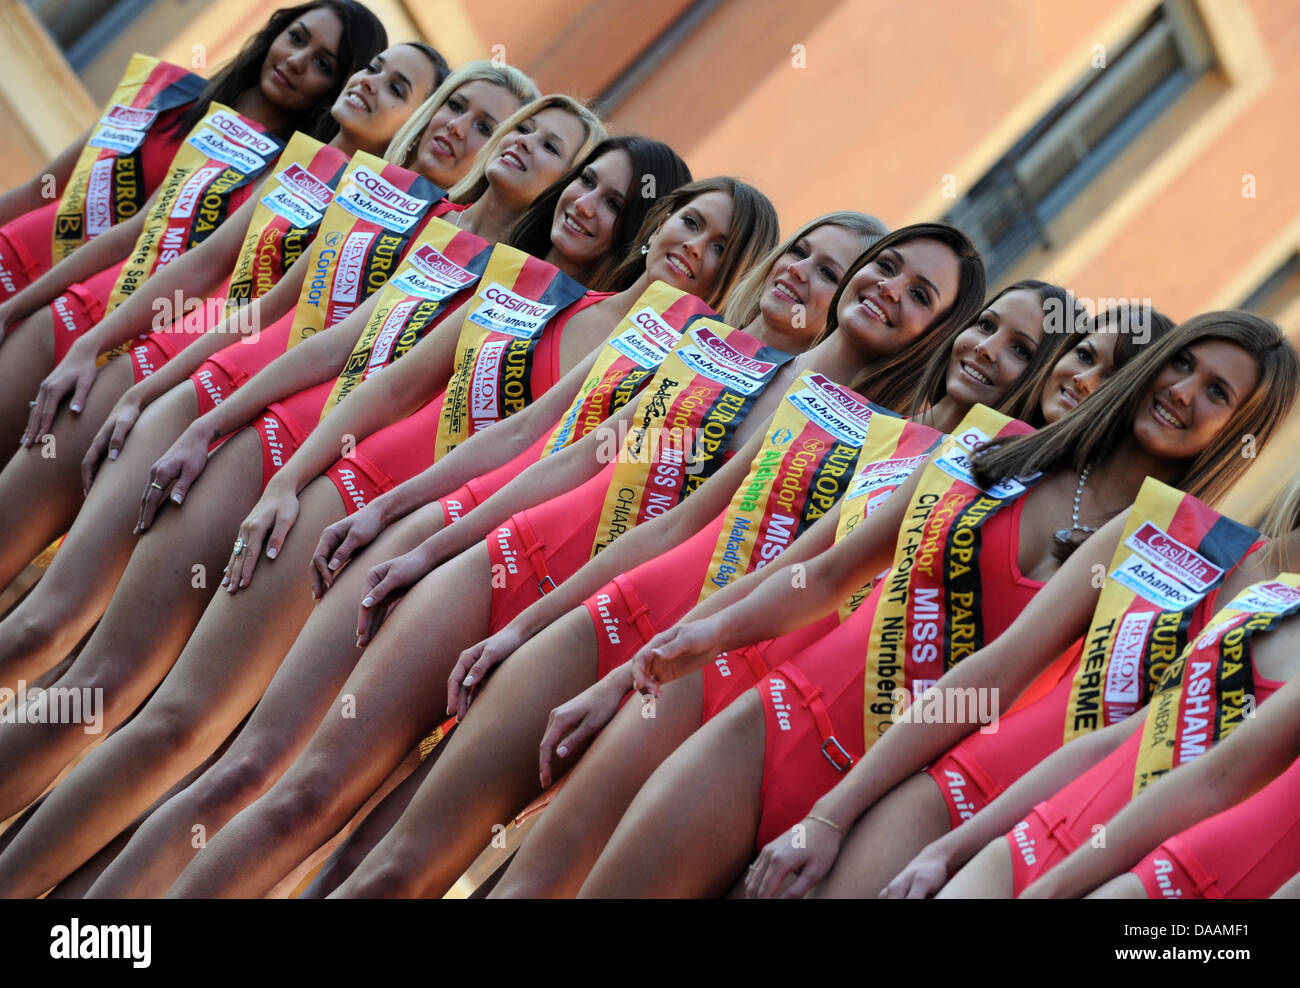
(645, 249)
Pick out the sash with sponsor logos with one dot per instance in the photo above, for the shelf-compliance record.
(108, 181)
(433, 280)
(291, 204)
(887, 458)
(684, 423)
(628, 360)
(798, 474)
(517, 299)
(377, 212)
(210, 176)
(1203, 695)
(930, 612)
(1173, 552)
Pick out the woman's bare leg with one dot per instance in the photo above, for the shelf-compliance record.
(351, 852)
(398, 691)
(298, 697)
(219, 677)
(488, 772)
(81, 579)
(988, 875)
(26, 356)
(40, 487)
(691, 829)
(885, 839)
(556, 857)
(166, 586)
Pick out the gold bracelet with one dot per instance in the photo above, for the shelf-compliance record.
(822, 819)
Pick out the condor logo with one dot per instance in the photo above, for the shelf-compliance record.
(307, 185)
(1176, 559)
(187, 199)
(352, 257)
(238, 131)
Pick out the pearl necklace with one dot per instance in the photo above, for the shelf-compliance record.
(1064, 536)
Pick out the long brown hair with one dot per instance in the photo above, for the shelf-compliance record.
(1077, 440)
(892, 382)
(754, 230)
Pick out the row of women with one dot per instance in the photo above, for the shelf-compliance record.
(443, 361)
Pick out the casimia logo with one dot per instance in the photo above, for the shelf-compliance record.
(237, 130)
(1178, 560)
(352, 257)
(436, 265)
(130, 117)
(655, 329)
(387, 193)
(307, 185)
(722, 351)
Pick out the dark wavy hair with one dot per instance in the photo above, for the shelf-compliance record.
(361, 39)
(651, 160)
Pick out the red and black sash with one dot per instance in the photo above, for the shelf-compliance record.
(1210, 688)
(108, 182)
(517, 299)
(1174, 550)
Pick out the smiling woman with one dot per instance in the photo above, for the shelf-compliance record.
(443, 137)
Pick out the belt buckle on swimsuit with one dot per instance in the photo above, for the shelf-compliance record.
(542, 588)
(840, 759)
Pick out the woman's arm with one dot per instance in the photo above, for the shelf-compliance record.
(1250, 757)
(32, 193)
(649, 539)
(939, 861)
(194, 275)
(479, 454)
(312, 361)
(565, 471)
(1056, 616)
(111, 246)
(257, 313)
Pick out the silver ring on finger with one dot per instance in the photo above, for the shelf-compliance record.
(155, 484)
(239, 546)
(31, 404)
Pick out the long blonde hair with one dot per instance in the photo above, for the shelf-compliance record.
(744, 300)
(475, 183)
(401, 149)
